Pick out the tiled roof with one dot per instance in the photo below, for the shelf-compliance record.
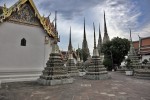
(145, 45)
(46, 24)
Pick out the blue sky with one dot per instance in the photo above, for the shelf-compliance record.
(120, 16)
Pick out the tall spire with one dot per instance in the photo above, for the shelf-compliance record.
(99, 45)
(100, 38)
(105, 27)
(56, 20)
(94, 36)
(139, 43)
(106, 37)
(84, 30)
(130, 36)
(70, 44)
(132, 50)
(85, 48)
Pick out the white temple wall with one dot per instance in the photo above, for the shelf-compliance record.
(16, 60)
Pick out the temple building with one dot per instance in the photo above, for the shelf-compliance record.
(25, 41)
(85, 49)
(142, 48)
(106, 37)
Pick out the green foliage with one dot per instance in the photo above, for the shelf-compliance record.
(117, 48)
(80, 52)
(145, 61)
(1, 11)
(85, 54)
(108, 64)
(128, 63)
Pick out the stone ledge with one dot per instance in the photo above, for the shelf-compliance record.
(55, 81)
(97, 77)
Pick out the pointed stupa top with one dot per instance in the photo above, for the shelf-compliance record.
(106, 37)
(99, 45)
(84, 30)
(139, 43)
(84, 43)
(105, 27)
(132, 50)
(94, 36)
(95, 50)
(56, 20)
(70, 44)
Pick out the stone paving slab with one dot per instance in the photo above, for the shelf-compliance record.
(119, 87)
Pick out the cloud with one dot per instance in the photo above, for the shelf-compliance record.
(121, 15)
(68, 8)
(7, 2)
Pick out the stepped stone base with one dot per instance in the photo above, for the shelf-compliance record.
(73, 74)
(142, 74)
(121, 70)
(97, 76)
(55, 81)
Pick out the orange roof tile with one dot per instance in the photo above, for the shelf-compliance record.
(136, 44)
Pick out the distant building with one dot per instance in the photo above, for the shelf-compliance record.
(142, 48)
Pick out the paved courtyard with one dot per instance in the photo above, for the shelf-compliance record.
(120, 87)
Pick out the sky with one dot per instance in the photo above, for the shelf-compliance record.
(121, 15)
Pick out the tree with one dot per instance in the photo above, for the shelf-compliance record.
(116, 50)
(80, 52)
(1, 11)
(108, 63)
(145, 61)
(85, 54)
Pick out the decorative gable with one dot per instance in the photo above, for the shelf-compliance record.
(31, 16)
(24, 15)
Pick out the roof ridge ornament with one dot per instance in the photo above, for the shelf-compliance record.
(8, 11)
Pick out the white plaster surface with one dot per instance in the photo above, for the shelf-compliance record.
(16, 59)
